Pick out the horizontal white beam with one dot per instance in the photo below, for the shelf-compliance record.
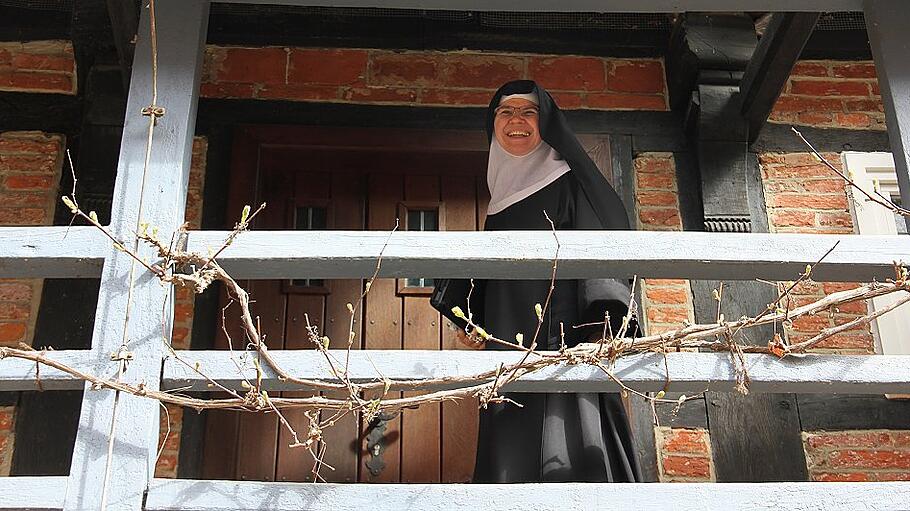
(586, 5)
(529, 254)
(51, 252)
(169, 494)
(32, 492)
(689, 372)
(17, 374)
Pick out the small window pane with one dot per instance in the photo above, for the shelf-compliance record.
(309, 218)
(422, 220)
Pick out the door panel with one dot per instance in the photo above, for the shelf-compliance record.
(358, 188)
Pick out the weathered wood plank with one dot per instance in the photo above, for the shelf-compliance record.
(770, 67)
(167, 494)
(528, 254)
(689, 372)
(51, 252)
(115, 451)
(590, 5)
(888, 39)
(32, 492)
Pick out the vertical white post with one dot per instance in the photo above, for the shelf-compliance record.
(133, 306)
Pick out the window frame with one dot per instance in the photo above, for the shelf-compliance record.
(404, 207)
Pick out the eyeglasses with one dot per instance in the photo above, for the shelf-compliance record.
(506, 112)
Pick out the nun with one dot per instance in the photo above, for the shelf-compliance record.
(537, 165)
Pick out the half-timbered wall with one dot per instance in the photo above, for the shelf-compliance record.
(800, 195)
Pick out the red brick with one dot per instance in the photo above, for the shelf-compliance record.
(656, 198)
(687, 466)
(811, 324)
(6, 58)
(41, 145)
(253, 65)
(653, 164)
(6, 418)
(793, 218)
(668, 314)
(668, 282)
(686, 441)
(814, 118)
(664, 181)
(796, 171)
(841, 476)
(834, 287)
(381, 95)
(568, 100)
(44, 62)
(47, 82)
(892, 476)
(824, 186)
(327, 67)
(22, 216)
(829, 88)
(43, 163)
(808, 68)
(616, 101)
(853, 120)
(857, 307)
(28, 182)
(664, 295)
(405, 69)
(12, 332)
(660, 216)
(876, 90)
(848, 342)
(900, 438)
(870, 459)
(455, 97)
(798, 104)
(568, 73)
(12, 291)
(854, 70)
(481, 71)
(835, 220)
(643, 76)
(14, 311)
(228, 90)
(298, 92)
(864, 105)
(806, 200)
(847, 439)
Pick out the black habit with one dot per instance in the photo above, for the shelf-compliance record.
(552, 437)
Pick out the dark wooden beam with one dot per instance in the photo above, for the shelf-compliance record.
(886, 23)
(771, 64)
(124, 16)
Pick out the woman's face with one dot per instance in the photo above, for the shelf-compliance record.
(515, 123)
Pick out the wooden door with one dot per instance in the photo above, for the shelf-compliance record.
(353, 179)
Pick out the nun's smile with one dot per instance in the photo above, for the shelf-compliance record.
(516, 126)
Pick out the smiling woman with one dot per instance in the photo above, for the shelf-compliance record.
(537, 172)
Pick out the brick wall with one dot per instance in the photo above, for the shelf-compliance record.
(30, 166)
(872, 455)
(428, 78)
(802, 195)
(667, 303)
(832, 94)
(184, 299)
(38, 66)
(684, 455)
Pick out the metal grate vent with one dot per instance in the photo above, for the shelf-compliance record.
(575, 21)
(841, 21)
(40, 5)
(496, 19)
